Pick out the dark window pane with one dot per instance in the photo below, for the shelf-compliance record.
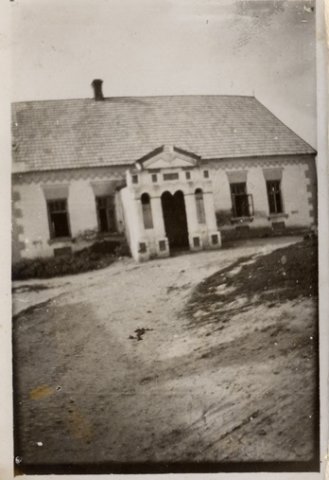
(60, 224)
(142, 247)
(106, 214)
(274, 196)
(278, 202)
(111, 220)
(214, 239)
(57, 205)
(196, 242)
(238, 188)
(58, 218)
(103, 224)
(101, 202)
(170, 176)
(147, 211)
(200, 211)
(241, 205)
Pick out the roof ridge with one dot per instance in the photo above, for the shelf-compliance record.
(127, 97)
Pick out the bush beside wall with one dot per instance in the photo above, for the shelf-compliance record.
(97, 256)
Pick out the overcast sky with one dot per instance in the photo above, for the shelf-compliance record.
(163, 47)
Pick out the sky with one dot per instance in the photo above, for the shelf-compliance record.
(169, 47)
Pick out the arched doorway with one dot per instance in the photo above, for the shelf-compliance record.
(174, 215)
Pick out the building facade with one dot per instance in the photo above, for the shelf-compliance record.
(166, 173)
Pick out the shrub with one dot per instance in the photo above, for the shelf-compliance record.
(99, 255)
(122, 250)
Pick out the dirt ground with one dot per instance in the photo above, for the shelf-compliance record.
(150, 363)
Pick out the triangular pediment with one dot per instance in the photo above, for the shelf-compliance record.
(168, 157)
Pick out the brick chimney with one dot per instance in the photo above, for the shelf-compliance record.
(97, 86)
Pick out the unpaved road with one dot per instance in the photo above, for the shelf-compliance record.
(89, 388)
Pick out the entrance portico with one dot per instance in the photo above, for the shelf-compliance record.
(168, 204)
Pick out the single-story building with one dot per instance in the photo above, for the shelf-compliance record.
(166, 172)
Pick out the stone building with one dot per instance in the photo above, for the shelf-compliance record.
(165, 172)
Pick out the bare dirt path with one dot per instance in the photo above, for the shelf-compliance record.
(109, 369)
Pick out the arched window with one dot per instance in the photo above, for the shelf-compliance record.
(147, 211)
(200, 213)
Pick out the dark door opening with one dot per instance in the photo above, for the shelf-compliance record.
(174, 215)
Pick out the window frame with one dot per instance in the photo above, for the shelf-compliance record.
(274, 197)
(147, 213)
(170, 176)
(199, 204)
(248, 196)
(109, 207)
(52, 229)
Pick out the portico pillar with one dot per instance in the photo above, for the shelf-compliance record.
(157, 214)
(191, 216)
(161, 243)
(209, 207)
(214, 236)
(194, 233)
(138, 239)
(139, 217)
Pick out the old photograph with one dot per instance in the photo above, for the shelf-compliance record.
(165, 236)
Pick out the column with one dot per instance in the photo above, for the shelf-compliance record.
(157, 215)
(141, 241)
(209, 208)
(194, 231)
(160, 238)
(214, 237)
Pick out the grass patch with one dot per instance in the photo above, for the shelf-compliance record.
(285, 274)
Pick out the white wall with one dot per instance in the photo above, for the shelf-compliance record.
(298, 188)
(32, 237)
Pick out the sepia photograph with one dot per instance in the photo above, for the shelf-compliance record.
(165, 292)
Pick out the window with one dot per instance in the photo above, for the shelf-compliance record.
(242, 204)
(170, 176)
(214, 239)
(196, 242)
(106, 214)
(154, 178)
(206, 174)
(134, 178)
(58, 218)
(200, 213)
(188, 175)
(274, 196)
(142, 247)
(147, 211)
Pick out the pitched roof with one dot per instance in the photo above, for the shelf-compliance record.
(57, 134)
